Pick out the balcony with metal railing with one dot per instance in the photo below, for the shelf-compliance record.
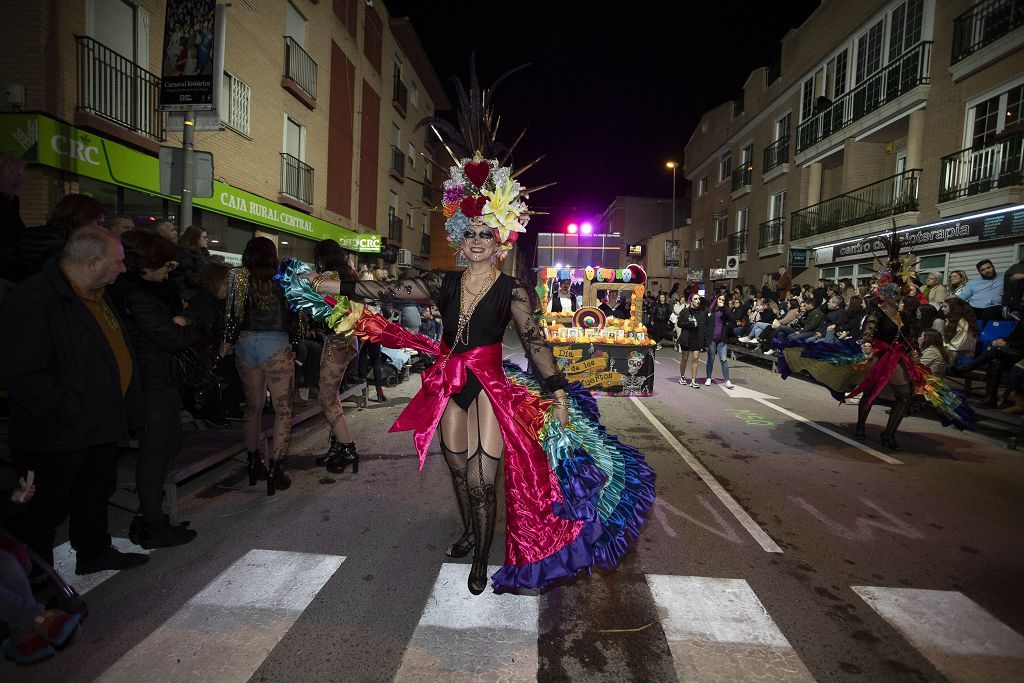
(400, 97)
(300, 69)
(899, 77)
(771, 233)
(888, 197)
(741, 178)
(428, 191)
(984, 24)
(738, 243)
(397, 169)
(118, 90)
(775, 155)
(973, 171)
(394, 228)
(296, 178)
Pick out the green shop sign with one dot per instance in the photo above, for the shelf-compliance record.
(42, 140)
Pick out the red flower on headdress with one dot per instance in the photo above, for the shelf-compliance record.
(473, 206)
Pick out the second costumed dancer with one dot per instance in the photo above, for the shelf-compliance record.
(885, 362)
(575, 497)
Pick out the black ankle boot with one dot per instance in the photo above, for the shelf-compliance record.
(276, 478)
(256, 467)
(332, 451)
(346, 456)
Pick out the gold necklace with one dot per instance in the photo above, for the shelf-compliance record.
(109, 315)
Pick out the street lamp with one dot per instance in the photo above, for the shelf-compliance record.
(672, 271)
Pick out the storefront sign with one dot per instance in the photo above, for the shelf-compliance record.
(42, 140)
(981, 228)
(635, 250)
(718, 274)
(694, 274)
(187, 68)
(798, 258)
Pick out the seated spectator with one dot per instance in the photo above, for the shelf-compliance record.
(1003, 354)
(933, 353)
(759, 317)
(915, 290)
(956, 282)
(806, 325)
(855, 316)
(960, 331)
(830, 326)
(1013, 291)
(934, 289)
(985, 294)
(782, 324)
(928, 318)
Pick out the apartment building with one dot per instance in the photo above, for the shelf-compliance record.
(315, 137)
(904, 114)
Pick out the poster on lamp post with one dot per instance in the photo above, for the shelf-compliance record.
(187, 60)
(671, 253)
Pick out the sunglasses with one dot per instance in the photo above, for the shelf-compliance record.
(485, 235)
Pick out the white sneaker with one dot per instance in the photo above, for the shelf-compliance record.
(769, 352)
(707, 382)
(743, 340)
(693, 383)
(729, 385)
(682, 380)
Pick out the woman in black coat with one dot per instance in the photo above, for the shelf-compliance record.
(661, 311)
(694, 337)
(158, 330)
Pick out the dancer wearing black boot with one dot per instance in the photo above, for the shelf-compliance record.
(339, 350)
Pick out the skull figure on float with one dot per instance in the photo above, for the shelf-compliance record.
(634, 363)
(633, 383)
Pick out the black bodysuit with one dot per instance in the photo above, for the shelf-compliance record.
(507, 300)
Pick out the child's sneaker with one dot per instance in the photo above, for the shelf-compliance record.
(56, 626)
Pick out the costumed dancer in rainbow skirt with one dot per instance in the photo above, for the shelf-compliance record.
(883, 364)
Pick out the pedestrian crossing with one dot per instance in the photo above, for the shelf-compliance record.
(713, 628)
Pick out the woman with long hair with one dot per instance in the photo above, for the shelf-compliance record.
(485, 414)
(193, 254)
(661, 311)
(721, 323)
(257, 325)
(158, 330)
(956, 282)
(933, 353)
(960, 331)
(332, 262)
(693, 322)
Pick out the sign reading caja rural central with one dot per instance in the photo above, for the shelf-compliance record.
(42, 140)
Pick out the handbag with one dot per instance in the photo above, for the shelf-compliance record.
(195, 364)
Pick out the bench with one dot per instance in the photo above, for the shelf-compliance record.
(195, 467)
(753, 352)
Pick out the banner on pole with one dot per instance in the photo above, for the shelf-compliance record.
(189, 50)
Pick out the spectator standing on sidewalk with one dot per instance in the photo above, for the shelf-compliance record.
(721, 323)
(783, 284)
(153, 310)
(693, 322)
(69, 374)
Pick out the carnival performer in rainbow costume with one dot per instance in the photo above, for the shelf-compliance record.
(883, 364)
(575, 497)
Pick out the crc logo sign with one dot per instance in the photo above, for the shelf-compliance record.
(76, 149)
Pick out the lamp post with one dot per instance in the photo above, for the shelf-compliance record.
(672, 269)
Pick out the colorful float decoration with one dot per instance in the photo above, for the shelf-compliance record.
(611, 356)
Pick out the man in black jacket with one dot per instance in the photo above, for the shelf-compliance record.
(68, 367)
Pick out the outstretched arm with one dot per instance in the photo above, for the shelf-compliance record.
(535, 344)
(425, 289)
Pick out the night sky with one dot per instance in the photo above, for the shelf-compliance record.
(611, 95)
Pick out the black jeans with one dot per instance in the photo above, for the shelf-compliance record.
(157, 447)
(990, 313)
(369, 358)
(68, 483)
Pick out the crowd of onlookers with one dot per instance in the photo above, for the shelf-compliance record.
(945, 314)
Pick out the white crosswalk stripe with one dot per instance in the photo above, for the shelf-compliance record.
(717, 630)
(955, 634)
(226, 630)
(64, 561)
(467, 637)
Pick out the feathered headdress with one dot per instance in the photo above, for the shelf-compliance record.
(480, 185)
(895, 271)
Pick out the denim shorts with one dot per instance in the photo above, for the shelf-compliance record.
(256, 348)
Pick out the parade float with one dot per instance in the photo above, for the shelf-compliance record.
(609, 355)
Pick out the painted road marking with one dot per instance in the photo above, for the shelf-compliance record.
(64, 562)
(462, 636)
(763, 399)
(717, 629)
(226, 630)
(759, 535)
(961, 639)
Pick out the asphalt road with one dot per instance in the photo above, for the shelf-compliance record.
(778, 549)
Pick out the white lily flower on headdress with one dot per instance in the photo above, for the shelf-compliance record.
(502, 208)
